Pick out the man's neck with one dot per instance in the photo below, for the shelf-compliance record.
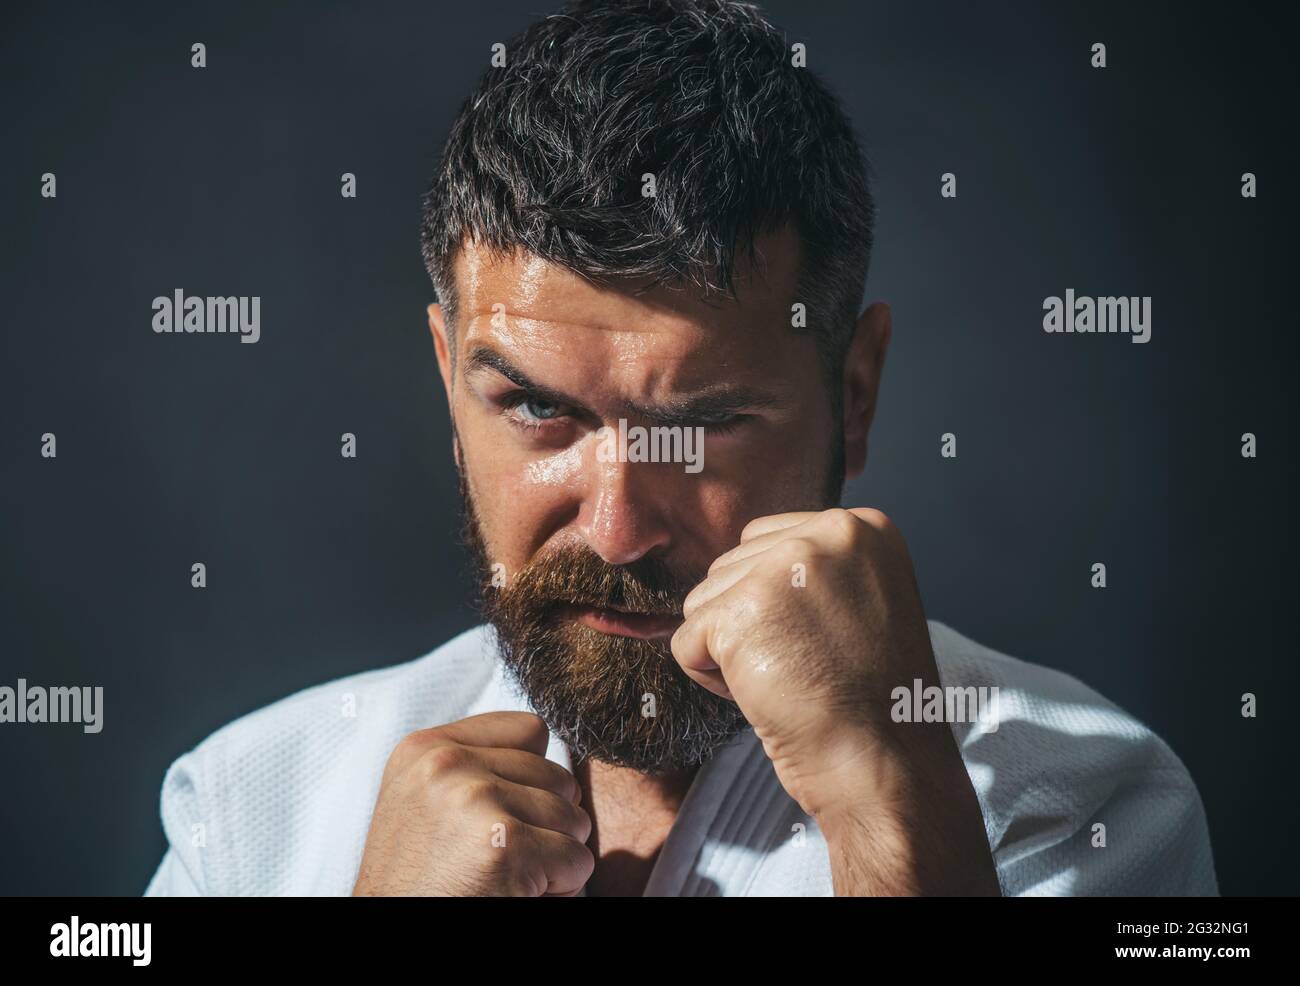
(631, 815)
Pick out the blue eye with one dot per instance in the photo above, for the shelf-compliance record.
(530, 413)
(539, 410)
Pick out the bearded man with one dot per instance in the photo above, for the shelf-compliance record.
(692, 678)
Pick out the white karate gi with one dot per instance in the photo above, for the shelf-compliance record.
(279, 801)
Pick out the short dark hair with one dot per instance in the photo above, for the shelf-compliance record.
(548, 154)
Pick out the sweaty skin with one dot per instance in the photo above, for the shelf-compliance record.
(811, 666)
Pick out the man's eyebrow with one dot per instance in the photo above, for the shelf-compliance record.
(716, 403)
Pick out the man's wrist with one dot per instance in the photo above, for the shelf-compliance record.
(903, 818)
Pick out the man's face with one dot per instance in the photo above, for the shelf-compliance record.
(592, 553)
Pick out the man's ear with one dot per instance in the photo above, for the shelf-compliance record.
(863, 365)
(442, 348)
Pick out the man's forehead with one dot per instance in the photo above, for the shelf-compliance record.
(524, 286)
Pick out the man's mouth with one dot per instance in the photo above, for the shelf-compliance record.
(624, 623)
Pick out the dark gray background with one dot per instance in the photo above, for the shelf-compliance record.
(226, 181)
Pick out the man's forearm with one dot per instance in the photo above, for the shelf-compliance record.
(909, 829)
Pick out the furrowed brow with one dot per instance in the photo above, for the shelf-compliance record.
(485, 358)
(716, 404)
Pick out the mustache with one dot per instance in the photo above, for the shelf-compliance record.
(574, 575)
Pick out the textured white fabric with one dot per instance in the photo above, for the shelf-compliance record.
(279, 801)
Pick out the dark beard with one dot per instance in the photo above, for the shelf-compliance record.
(593, 689)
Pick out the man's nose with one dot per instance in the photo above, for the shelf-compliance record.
(623, 515)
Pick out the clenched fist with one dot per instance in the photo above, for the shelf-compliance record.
(808, 625)
(474, 808)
